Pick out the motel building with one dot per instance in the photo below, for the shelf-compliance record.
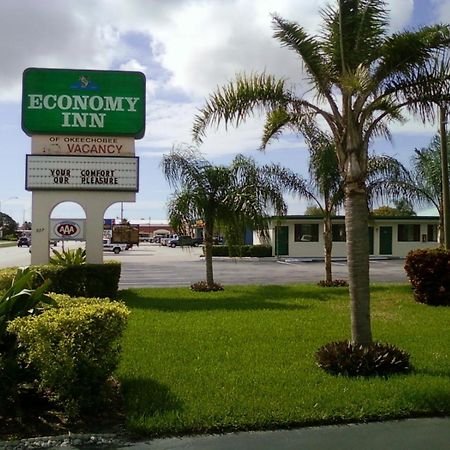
(302, 236)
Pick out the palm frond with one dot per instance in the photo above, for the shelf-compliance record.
(275, 123)
(422, 88)
(293, 36)
(239, 99)
(405, 52)
(353, 32)
(183, 166)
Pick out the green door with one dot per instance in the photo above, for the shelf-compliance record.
(385, 240)
(281, 241)
(371, 241)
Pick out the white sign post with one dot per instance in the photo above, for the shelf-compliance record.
(83, 124)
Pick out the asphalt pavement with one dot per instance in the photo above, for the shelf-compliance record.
(410, 434)
(157, 266)
(152, 265)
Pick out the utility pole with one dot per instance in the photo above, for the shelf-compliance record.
(444, 176)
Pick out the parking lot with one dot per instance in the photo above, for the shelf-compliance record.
(151, 265)
(156, 266)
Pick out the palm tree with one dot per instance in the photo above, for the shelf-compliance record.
(325, 187)
(241, 194)
(364, 79)
(422, 184)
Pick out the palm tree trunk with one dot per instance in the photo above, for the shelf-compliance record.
(444, 178)
(208, 254)
(328, 242)
(356, 223)
(441, 233)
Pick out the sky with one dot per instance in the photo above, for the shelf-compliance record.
(185, 48)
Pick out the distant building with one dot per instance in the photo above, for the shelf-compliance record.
(302, 236)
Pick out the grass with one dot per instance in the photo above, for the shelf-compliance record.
(7, 243)
(243, 359)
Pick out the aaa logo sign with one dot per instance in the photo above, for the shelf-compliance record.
(67, 229)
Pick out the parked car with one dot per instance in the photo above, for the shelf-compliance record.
(108, 246)
(23, 241)
(186, 241)
(165, 241)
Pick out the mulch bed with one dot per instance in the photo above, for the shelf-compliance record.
(36, 415)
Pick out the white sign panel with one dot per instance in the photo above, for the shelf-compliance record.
(67, 229)
(82, 173)
(82, 145)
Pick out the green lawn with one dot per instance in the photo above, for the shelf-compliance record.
(243, 358)
(8, 243)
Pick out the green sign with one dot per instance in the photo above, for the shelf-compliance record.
(93, 102)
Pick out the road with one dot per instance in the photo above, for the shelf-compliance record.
(151, 265)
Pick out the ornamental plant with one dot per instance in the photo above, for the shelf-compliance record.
(74, 349)
(347, 358)
(428, 271)
(69, 257)
(18, 300)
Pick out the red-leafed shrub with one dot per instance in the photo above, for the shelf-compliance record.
(202, 286)
(345, 358)
(429, 274)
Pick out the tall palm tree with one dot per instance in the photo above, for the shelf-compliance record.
(364, 79)
(230, 196)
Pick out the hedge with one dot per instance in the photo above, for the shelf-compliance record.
(260, 251)
(84, 280)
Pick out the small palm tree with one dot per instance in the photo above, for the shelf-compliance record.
(325, 186)
(241, 193)
(422, 184)
(363, 79)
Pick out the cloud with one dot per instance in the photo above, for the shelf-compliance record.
(400, 13)
(49, 34)
(206, 44)
(201, 44)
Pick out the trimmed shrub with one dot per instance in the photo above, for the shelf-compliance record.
(6, 277)
(219, 250)
(261, 251)
(346, 358)
(84, 280)
(429, 274)
(74, 349)
(240, 251)
(18, 300)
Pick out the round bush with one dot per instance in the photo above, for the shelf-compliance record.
(346, 358)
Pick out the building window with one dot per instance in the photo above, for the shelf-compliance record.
(432, 233)
(338, 232)
(409, 233)
(306, 232)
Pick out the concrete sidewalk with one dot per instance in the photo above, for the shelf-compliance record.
(411, 434)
